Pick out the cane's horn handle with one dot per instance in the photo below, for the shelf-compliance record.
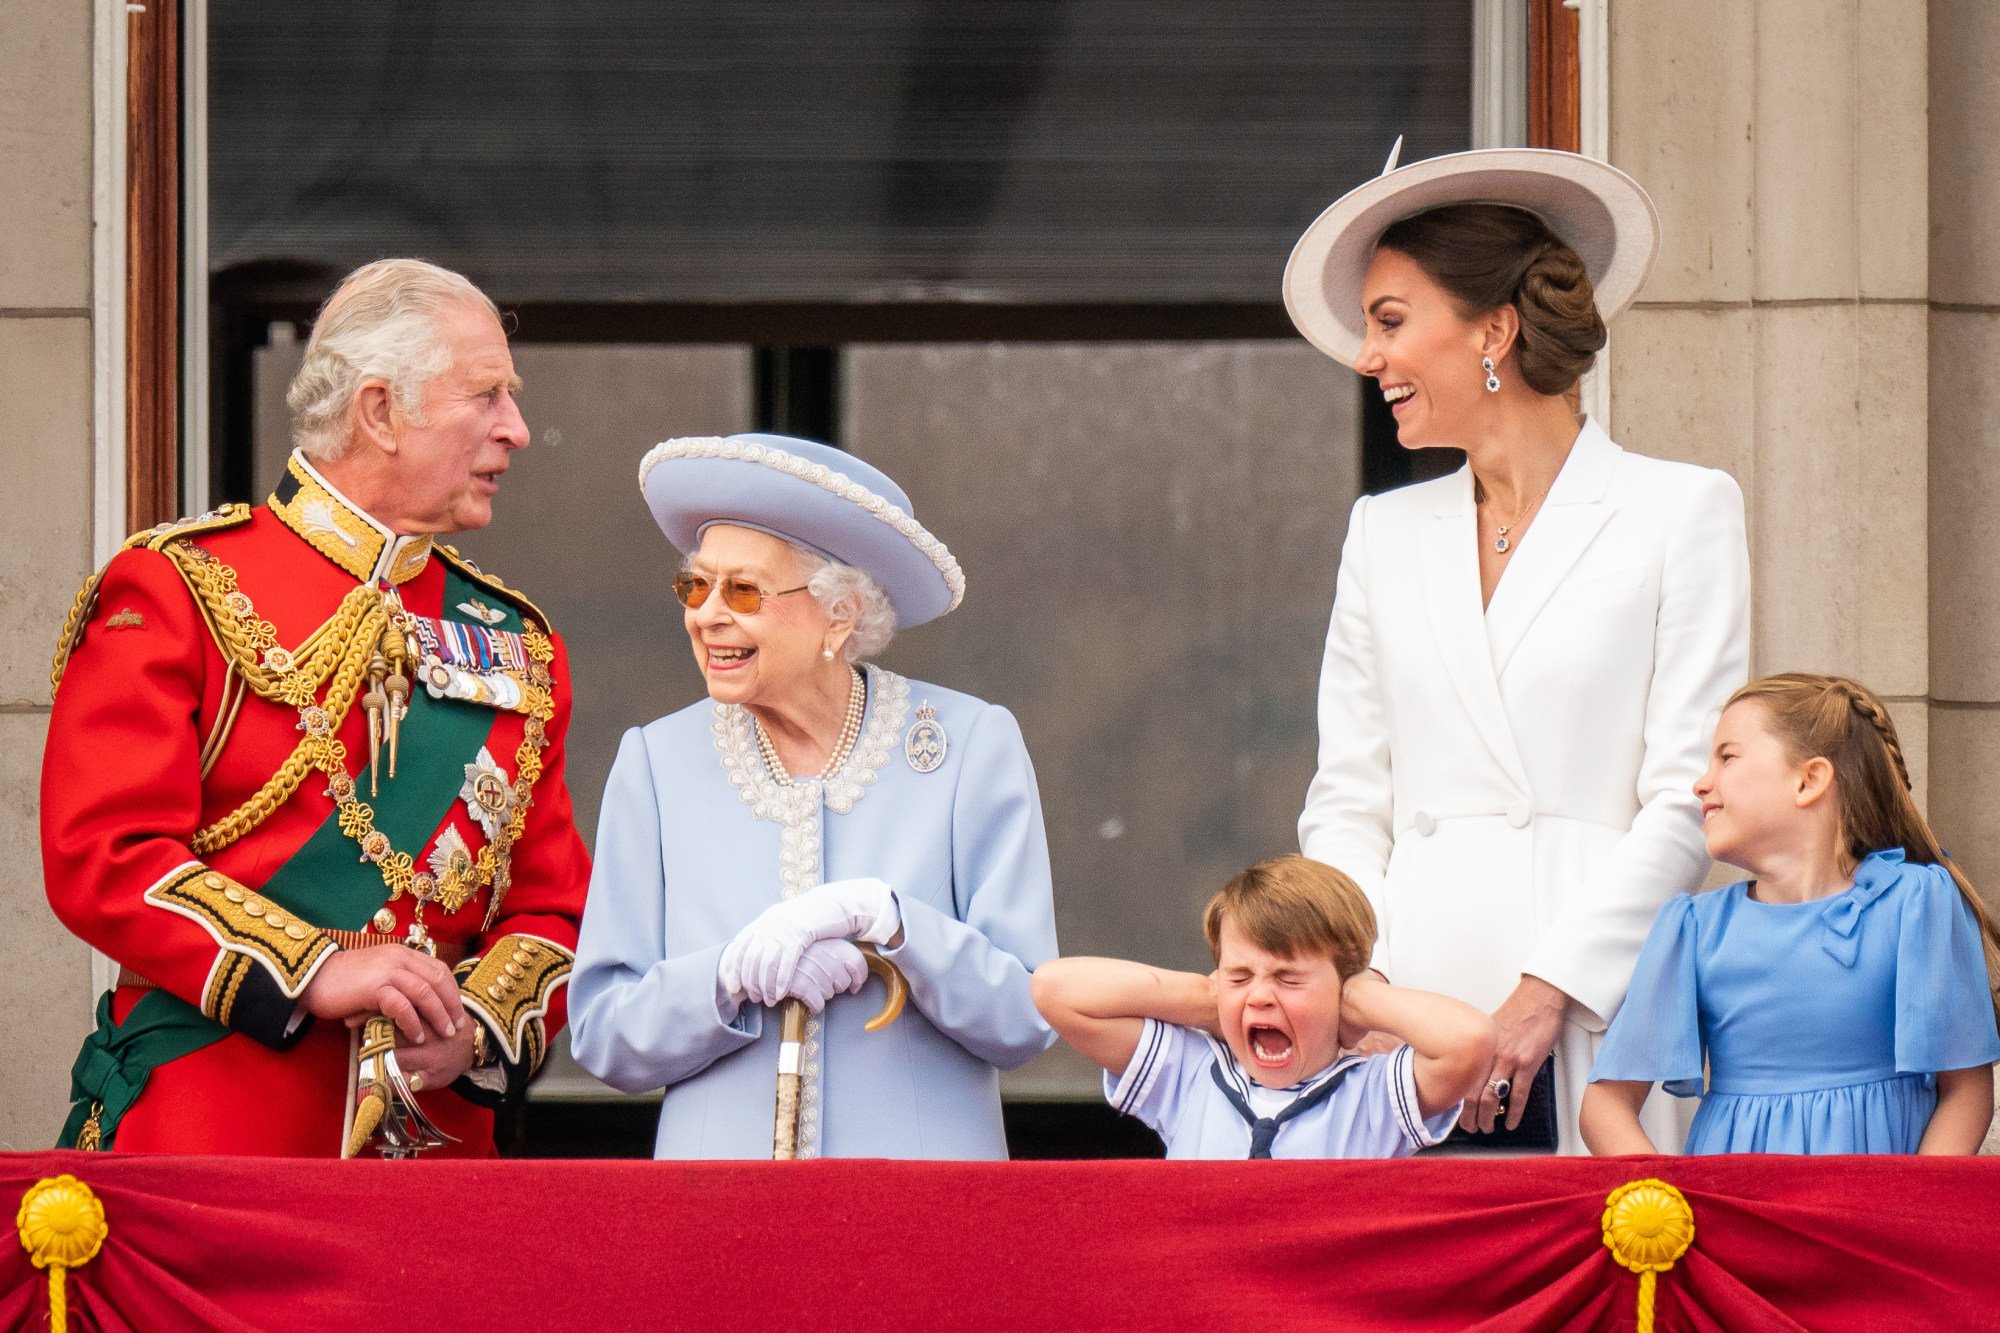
(892, 977)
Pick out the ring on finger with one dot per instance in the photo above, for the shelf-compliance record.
(1499, 1087)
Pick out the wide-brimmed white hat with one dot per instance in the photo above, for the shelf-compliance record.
(805, 492)
(1598, 210)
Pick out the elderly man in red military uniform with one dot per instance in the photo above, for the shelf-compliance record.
(304, 777)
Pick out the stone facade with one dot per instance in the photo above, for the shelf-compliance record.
(46, 454)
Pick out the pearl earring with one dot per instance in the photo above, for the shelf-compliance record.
(1492, 380)
(827, 653)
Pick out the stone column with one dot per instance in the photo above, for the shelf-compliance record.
(45, 522)
(1782, 334)
(1965, 432)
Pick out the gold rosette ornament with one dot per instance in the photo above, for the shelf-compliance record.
(62, 1227)
(1648, 1226)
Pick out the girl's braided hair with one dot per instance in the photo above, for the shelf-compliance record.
(1844, 722)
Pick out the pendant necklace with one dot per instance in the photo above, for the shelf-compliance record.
(1501, 543)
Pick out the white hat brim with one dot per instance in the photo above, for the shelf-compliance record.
(1598, 210)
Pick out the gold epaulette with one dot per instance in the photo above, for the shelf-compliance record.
(465, 566)
(153, 539)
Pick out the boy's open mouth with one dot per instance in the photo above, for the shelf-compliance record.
(1269, 1046)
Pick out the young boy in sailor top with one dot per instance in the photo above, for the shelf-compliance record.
(1247, 1061)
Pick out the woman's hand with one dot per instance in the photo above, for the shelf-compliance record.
(1528, 1023)
(757, 965)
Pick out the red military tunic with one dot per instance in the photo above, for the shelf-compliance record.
(155, 839)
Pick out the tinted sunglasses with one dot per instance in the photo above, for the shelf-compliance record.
(739, 595)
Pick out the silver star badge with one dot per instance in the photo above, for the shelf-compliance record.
(488, 794)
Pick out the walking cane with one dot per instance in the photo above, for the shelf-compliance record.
(791, 1051)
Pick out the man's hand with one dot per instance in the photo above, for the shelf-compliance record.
(411, 988)
(438, 1063)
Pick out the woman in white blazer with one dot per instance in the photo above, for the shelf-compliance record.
(1526, 657)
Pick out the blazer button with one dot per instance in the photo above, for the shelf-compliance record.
(1424, 824)
(1519, 813)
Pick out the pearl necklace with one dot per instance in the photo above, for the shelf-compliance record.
(850, 736)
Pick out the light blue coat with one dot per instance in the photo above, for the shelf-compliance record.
(695, 839)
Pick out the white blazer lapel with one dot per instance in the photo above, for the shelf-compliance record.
(1451, 598)
(1571, 518)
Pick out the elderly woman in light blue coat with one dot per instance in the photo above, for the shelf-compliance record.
(750, 843)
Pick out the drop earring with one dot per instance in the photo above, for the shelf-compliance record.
(1492, 380)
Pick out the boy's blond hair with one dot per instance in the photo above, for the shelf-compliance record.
(1289, 906)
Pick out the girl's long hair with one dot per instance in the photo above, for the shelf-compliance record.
(1842, 721)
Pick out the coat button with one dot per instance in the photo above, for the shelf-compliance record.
(1424, 824)
(1519, 813)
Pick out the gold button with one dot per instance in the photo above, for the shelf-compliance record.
(254, 907)
(521, 956)
(234, 894)
(494, 991)
(385, 921)
(515, 970)
(297, 930)
(508, 983)
(273, 917)
(213, 881)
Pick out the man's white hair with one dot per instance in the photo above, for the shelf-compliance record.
(382, 322)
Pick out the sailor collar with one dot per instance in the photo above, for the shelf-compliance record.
(342, 531)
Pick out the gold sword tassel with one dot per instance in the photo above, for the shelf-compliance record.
(378, 1038)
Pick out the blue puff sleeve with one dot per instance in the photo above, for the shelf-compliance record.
(1656, 1036)
(1944, 1008)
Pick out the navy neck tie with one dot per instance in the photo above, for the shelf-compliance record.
(1264, 1129)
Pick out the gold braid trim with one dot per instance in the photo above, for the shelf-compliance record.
(249, 927)
(336, 656)
(494, 866)
(80, 611)
(509, 989)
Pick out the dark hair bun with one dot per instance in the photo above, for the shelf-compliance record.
(1489, 255)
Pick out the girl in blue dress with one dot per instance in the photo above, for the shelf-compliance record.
(1842, 995)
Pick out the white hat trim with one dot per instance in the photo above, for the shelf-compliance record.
(824, 477)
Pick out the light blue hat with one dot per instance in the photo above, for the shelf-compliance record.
(812, 494)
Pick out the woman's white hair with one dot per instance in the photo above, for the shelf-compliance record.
(380, 323)
(843, 589)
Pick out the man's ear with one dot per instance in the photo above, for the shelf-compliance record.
(375, 417)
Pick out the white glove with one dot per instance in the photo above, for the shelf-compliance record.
(757, 965)
(827, 968)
